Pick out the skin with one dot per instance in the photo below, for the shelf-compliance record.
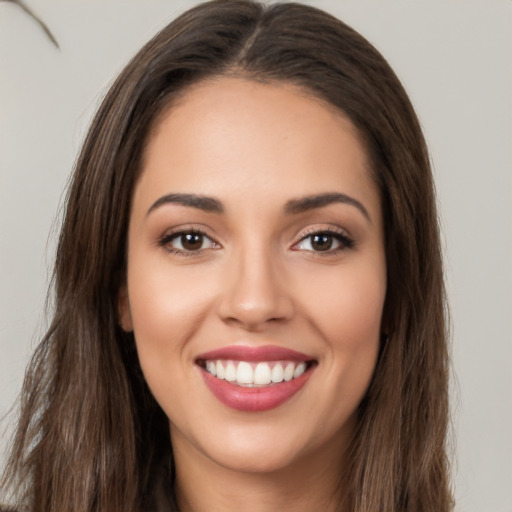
(256, 280)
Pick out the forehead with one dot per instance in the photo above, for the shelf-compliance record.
(233, 134)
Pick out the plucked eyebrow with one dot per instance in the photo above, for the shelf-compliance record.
(292, 207)
(205, 203)
(304, 204)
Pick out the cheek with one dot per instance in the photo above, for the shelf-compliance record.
(166, 308)
(346, 307)
(158, 293)
(349, 320)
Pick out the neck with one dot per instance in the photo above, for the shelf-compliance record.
(312, 483)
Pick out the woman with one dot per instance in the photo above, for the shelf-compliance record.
(249, 302)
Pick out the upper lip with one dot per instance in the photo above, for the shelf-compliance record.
(254, 354)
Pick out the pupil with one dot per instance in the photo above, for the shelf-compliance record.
(191, 241)
(322, 242)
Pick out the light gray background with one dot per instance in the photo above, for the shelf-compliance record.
(455, 61)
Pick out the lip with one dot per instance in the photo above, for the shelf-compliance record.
(255, 399)
(255, 354)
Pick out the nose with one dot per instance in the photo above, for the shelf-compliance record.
(255, 292)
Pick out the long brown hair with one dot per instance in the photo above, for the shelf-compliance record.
(90, 435)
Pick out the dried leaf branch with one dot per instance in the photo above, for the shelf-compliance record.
(36, 18)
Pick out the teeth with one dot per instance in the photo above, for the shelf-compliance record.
(244, 373)
(277, 373)
(288, 372)
(301, 368)
(220, 370)
(230, 374)
(260, 374)
(211, 367)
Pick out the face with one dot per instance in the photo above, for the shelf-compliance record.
(256, 274)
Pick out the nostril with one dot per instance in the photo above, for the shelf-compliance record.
(253, 314)
(252, 293)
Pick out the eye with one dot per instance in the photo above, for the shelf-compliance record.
(324, 241)
(187, 242)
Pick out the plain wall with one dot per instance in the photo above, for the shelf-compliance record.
(454, 59)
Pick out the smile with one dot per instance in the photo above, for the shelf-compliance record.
(247, 374)
(255, 379)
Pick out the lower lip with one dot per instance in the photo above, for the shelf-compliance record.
(254, 399)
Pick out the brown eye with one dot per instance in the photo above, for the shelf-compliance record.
(324, 241)
(321, 242)
(187, 242)
(191, 241)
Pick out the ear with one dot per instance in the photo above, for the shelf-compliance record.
(123, 310)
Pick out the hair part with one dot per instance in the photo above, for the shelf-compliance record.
(91, 437)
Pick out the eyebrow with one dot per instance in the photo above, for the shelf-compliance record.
(292, 207)
(205, 203)
(304, 204)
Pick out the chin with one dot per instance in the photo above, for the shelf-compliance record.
(256, 458)
(265, 447)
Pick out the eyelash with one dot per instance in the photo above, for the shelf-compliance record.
(165, 240)
(341, 237)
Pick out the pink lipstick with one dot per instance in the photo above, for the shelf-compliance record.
(255, 378)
